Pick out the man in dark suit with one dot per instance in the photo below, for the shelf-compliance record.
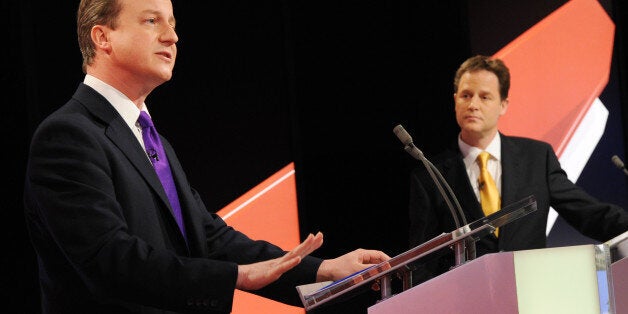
(101, 222)
(519, 167)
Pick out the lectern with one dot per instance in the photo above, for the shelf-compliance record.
(398, 267)
(576, 279)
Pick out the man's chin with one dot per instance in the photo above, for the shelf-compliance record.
(165, 77)
(473, 132)
(471, 128)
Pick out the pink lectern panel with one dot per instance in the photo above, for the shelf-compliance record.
(484, 285)
(619, 270)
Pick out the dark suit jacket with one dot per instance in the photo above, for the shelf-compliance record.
(529, 167)
(104, 232)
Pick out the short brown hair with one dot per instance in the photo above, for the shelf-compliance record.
(92, 13)
(494, 65)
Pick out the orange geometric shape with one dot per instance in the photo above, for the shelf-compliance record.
(558, 68)
(266, 212)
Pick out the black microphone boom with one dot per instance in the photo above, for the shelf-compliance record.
(406, 139)
(460, 248)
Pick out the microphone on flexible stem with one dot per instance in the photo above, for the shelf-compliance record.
(456, 212)
(620, 164)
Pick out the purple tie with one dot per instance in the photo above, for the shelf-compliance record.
(159, 160)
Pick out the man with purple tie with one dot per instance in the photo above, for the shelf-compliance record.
(115, 224)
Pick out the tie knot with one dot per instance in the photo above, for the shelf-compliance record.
(483, 158)
(144, 120)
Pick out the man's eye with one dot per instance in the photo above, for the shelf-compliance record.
(151, 20)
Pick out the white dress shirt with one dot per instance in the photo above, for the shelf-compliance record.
(470, 154)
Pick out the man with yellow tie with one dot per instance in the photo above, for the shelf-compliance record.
(487, 169)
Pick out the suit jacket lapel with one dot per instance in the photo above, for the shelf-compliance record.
(512, 172)
(455, 173)
(118, 132)
(194, 229)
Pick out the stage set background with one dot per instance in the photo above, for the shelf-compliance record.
(261, 84)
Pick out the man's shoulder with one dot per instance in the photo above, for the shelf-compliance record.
(447, 154)
(73, 117)
(447, 158)
(85, 102)
(524, 142)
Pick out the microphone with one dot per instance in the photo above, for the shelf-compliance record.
(406, 139)
(152, 154)
(620, 164)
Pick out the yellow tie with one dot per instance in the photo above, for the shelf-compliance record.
(489, 195)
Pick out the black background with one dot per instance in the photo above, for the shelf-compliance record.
(259, 84)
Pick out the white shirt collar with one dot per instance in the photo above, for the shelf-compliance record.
(125, 107)
(470, 153)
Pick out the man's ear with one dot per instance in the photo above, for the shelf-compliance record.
(100, 37)
(504, 105)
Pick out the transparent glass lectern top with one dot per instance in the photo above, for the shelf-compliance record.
(315, 295)
(618, 247)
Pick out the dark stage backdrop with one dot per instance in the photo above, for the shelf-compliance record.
(259, 84)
